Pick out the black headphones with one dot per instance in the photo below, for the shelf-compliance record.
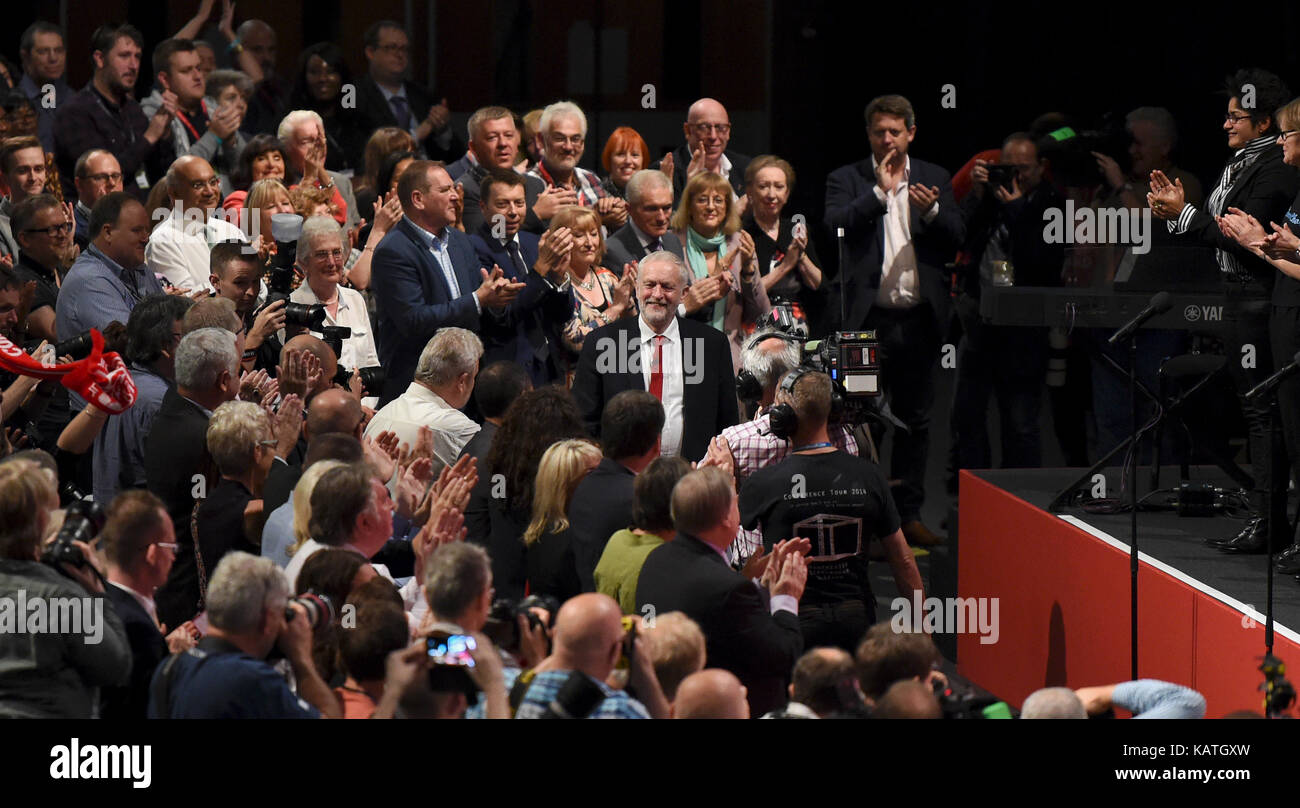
(748, 387)
(782, 420)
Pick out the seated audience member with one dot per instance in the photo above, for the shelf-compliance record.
(349, 509)
(443, 384)
(242, 442)
(139, 546)
(320, 256)
(600, 297)
(228, 94)
(384, 141)
(263, 157)
(44, 236)
(45, 60)
(886, 656)
(153, 335)
(908, 699)
(495, 388)
(676, 648)
(603, 502)
(625, 154)
(98, 174)
(50, 674)
(845, 504)
(176, 458)
(180, 245)
(303, 134)
(226, 674)
(1144, 698)
(198, 128)
(711, 693)
(821, 678)
(725, 289)
(110, 277)
(427, 276)
(708, 131)
(236, 275)
(746, 635)
(551, 567)
(22, 162)
(529, 330)
(267, 197)
(589, 639)
(287, 527)
(536, 420)
(380, 630)
(651, 525)
(787, 260)
(309, 202)
(322, 76)
(694, 411)
(650, 209)
(494, 143)
(562, 131)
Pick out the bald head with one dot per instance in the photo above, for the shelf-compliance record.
(711, 693)
(334, 410)
(908, 699)
(588, 630)
(328, 362)
(194, 184)
(708, 126)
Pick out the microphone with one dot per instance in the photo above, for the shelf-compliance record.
(1160, 303)
(1273, 381)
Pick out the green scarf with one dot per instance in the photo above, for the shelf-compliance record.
(696, 247)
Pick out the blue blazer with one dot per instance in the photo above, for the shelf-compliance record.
(413, 299)
(528, 331)
(852, 204)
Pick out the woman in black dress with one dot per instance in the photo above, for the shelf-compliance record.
(787, 261)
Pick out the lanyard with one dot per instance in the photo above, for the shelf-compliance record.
(181, 116)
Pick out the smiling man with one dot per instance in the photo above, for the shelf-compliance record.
(563, 131)
(22, 161)
(494, 143)
(179, 246)
(708, 132)
(650, 208)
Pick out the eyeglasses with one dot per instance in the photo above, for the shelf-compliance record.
(1234, 119)
(213, 182)
(113, 178)
(326, 255)
(1286, 133)
(52, 230)
(560, 140)
(169, 545)
(703, 129)
(268, 443)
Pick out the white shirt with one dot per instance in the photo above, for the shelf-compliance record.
(145, 602)
(358, 349)
(310, 548)
(419, 406)
(900, 285)
(180, 249)
(670, 441)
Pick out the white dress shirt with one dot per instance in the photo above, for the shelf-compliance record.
(670, 442)
(180, 249)
(358, 349)
(900, 283)
(145, 601)
(419, 406)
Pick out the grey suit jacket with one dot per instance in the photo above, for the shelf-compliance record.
(623, 246)
(345, 190)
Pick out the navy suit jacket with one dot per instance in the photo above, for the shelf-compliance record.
(148, 648)
(528, 331)
(708, 404)
(852, 204)
(413, 299)
(373, 112)
(454, 170)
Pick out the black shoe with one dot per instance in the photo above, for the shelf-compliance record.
(1251, 541)
(1287, 562)
(1218, 543)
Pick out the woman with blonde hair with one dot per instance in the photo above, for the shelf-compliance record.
(725, 290)
(300, 502)
(552, 569)
(599, 296)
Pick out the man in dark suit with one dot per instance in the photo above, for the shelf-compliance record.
(177, 466)
(528, 330)
(386, 98)
(140, 547)
(901, 226)
(752, 631)
(494, 143)
(649, 208)
(427, 276)
(707, 130)
(495, 388)
(683, 363)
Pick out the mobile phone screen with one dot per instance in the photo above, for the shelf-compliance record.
(453, 649)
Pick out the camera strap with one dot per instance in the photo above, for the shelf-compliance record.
(520, 689)
(198, 556)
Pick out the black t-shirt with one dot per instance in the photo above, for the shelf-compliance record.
(47, 289)
(837, 501)
(769, 253)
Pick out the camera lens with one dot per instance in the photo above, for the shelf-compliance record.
(311, 315)
(77, 347)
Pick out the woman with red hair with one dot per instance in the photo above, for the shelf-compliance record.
(625, 154)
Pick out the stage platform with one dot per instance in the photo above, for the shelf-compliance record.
(1063, 588)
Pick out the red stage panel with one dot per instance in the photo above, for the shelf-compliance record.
(1064, 611)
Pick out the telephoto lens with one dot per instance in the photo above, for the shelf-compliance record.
(319, 608)
(310, 315)
(78, 347)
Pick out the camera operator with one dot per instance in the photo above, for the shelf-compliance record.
(837, 501)
(236, 276)
(51, 672)
(226, 675)
(320, 256)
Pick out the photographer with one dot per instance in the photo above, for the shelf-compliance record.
(236, 276)
(50, 671)
(320, 256)
(226, 675)
(839, 503)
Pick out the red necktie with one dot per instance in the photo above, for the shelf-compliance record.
(657, 370)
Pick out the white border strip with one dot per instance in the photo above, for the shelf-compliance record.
(1246, 610)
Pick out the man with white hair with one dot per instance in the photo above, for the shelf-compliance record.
(443, 384)
(563, 130)
(180, 245)
(226, 675)
(708, 131)
(649, 207)
(320, 256)
(303, 133)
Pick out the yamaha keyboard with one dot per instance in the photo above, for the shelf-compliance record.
(1093, 307)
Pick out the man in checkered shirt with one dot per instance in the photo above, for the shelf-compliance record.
(768, 356)
(563, 130)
